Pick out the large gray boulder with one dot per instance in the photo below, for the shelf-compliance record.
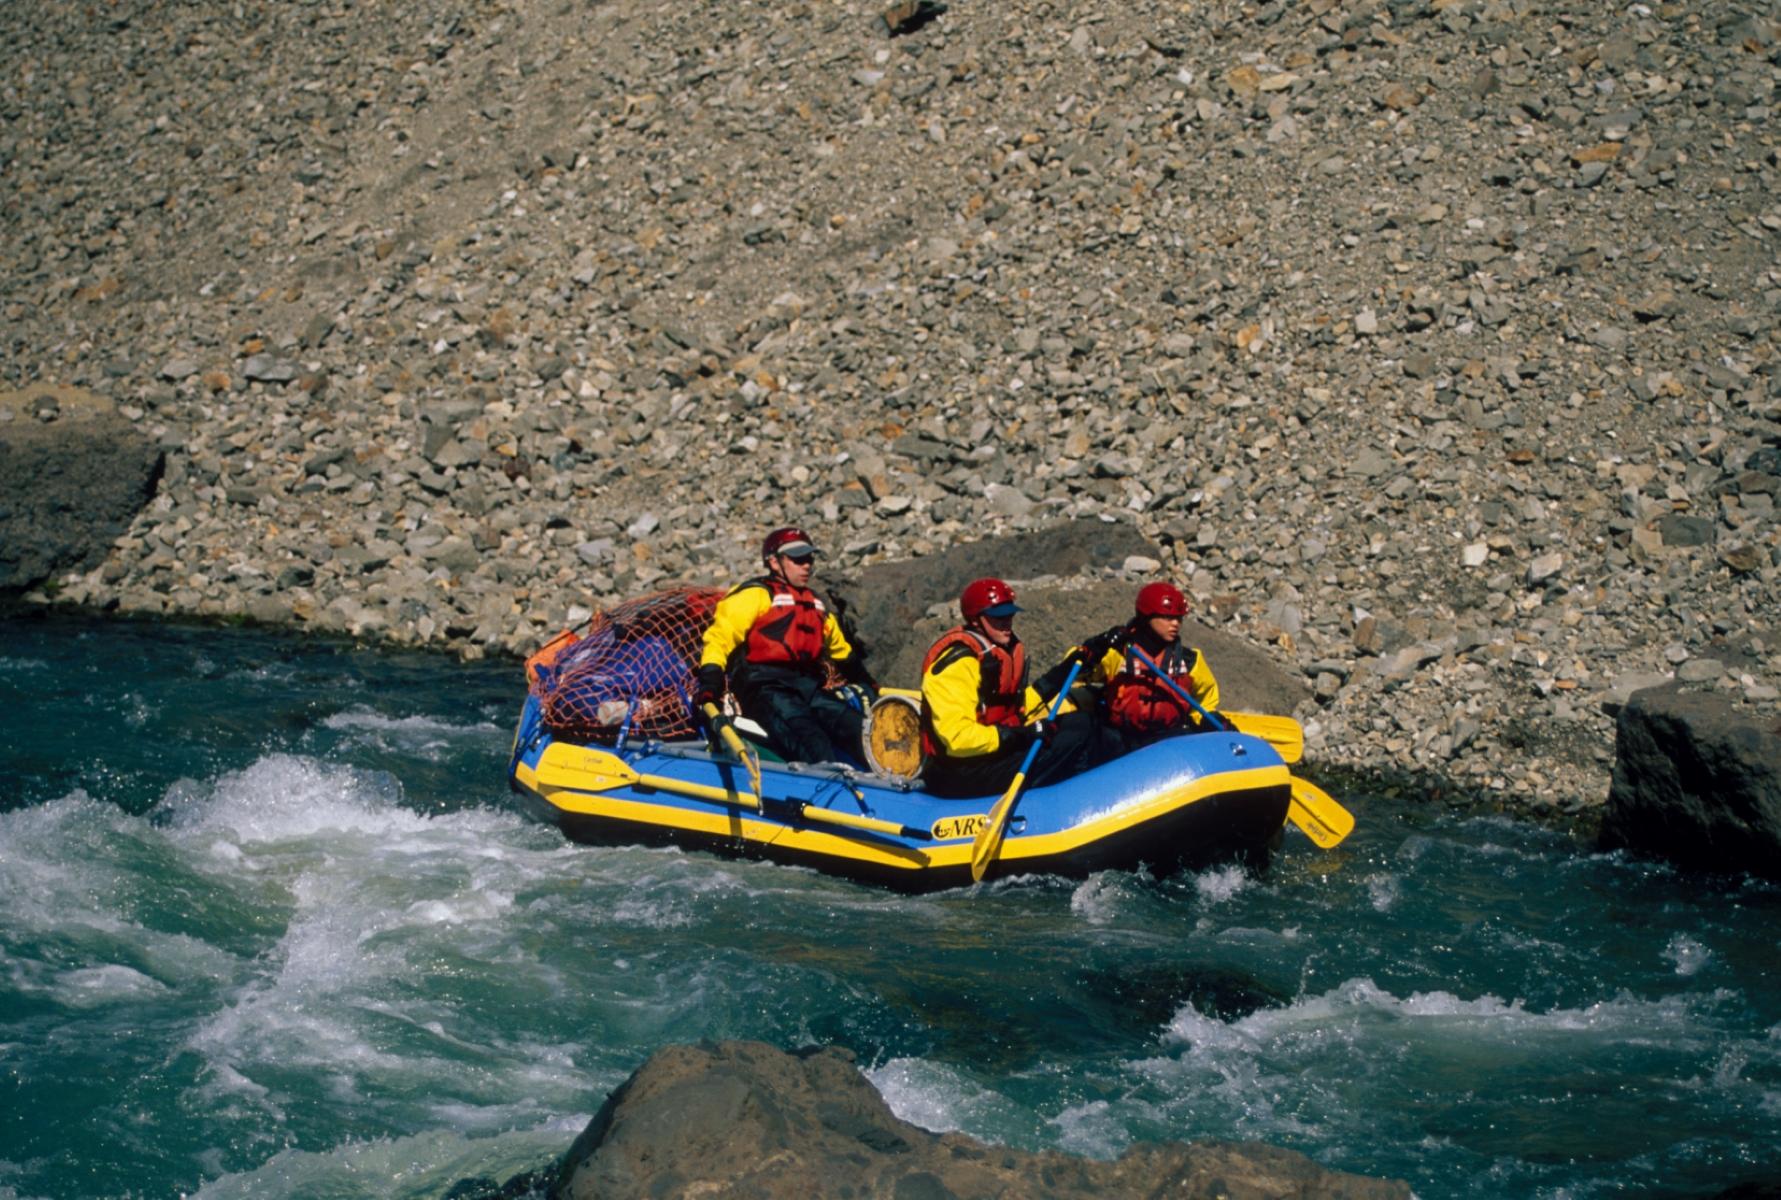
(889, 605)
(742, 1119)
(888, 599)
(73, 474)
(1697, 783)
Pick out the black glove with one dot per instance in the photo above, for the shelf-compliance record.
(1096, 648)
(1042, 730)
(708, 685)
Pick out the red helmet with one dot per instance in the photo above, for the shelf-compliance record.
(990, 596)
(790, 541)
(1161, 600)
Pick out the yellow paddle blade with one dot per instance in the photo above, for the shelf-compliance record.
(1316, 812)
(989, 838)
(583, 768)
(586, 769)
(1283, 733)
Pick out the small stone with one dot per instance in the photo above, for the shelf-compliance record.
(1604, 152)
(1476, 554)
(1544, 567)
(1009, 501)
(266, 368)
(1138, 564)
(1700, 670)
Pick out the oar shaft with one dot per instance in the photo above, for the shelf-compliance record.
(1169, 682)
(989, 838)
(699, 791)
(605, 780)
(828, 816)
(738, 747)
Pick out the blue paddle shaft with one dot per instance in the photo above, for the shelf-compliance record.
(1057, 702)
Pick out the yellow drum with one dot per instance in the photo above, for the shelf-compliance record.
(893, 735)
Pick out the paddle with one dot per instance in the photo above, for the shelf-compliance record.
(989, 838)
(738, 747)
(1312, 809)
(1282, 733)
(1316, 812)
(602, 772)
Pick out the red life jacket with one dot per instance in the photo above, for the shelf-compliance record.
(1137, 700)
(790, 632)
(1001, 688)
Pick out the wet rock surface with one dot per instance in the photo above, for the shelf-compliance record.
(736, 1119)
(1432, 347)
(1697, 783)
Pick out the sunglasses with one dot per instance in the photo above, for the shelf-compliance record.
(800, 559)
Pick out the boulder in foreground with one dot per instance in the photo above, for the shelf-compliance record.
(743, 1119)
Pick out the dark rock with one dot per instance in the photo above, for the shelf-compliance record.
(67, 490)
(1685, 531)
(1696, 783)
(743, 1119)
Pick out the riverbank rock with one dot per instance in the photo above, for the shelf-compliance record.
(73, 475)
(1697, 783)
(743, 1119)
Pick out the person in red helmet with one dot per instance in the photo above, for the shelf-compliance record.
(772, 636)
(975, 704)
(1135, 703)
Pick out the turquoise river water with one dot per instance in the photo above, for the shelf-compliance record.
(271, 926)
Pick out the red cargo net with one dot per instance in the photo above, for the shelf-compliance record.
(630, 671)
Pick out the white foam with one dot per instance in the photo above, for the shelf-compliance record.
(404, 1168)
(1383, 891)
(283, 797)
(933, 1096)
(112, 983)
(1222, 883)
(365, 718)
(1101, 898)
(461, 909)
(430, 738)
(68, 873)
(1095, 1130)
(1688, 955)
(1360, 1004)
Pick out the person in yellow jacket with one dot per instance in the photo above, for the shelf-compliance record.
(771, 639)
(975, 702)
(1136, 703)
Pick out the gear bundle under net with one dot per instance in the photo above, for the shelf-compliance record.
(629, 673)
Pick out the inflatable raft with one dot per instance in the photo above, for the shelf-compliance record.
(1185, 802)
